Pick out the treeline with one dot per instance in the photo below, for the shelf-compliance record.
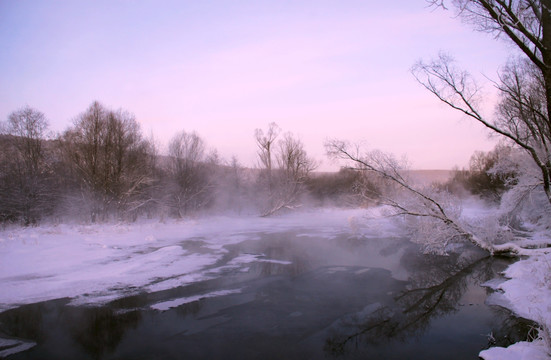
(489, 175)
(102, 168)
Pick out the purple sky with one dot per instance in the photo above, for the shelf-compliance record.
(320, 69)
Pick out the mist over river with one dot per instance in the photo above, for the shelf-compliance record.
(283, 288)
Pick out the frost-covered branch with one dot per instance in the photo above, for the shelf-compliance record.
(435, 216)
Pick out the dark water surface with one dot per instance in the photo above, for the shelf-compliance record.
(306, 297)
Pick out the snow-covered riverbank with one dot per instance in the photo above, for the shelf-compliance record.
(94, 264)
(527, 293)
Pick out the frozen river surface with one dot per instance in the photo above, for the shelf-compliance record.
(311, 286)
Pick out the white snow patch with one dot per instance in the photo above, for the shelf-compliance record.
(13, 346)
(244, 259)
(494, 283)
(498, 299)
(165, 305)
(526, 292)
(250, 258)
(523, 350)
(529, 288)
(177, 281)
(273, 261)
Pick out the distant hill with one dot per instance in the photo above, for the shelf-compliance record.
(423, 177)
(426, 177)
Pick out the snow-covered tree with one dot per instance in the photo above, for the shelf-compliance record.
(433, 216)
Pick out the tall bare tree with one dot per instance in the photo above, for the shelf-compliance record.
(28, 127)
(294, 168)
(25, 190)
(109, 158)
(523, 114)
(284, 168)
(266, 144)
(190, 182)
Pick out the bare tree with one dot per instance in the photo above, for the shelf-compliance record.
(294, 168)
(190, 184)
(523, 115)
(109, 158)
(25, 186)
(28, 128)
(286, 180)
(266, 143)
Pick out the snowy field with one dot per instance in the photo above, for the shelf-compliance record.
(95, 264)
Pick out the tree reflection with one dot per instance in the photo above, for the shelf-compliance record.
(100, 330)
(27, 321)
(434, 290)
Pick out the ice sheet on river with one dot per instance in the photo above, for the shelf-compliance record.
(99, 263)
(165, 305)
(13, 346)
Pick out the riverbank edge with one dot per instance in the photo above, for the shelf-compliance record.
(526, 293)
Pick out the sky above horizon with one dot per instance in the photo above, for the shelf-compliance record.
(319, 69)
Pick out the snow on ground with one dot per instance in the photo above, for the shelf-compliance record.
(99, 263)
(523, 350)
(526, 292)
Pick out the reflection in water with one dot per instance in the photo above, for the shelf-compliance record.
(437, 287)
(26, 321)
(99, 330)
(299, 297)
(58, 328)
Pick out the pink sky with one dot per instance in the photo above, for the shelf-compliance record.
(320, 69)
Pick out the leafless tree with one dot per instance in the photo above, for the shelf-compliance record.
(190, 184)
(109, 158)
(28, 128)
(25, 176)
(286, 180)
(523, 114)
(294, 168)
(266, 143)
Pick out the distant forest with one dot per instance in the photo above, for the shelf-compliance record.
(102, 168)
